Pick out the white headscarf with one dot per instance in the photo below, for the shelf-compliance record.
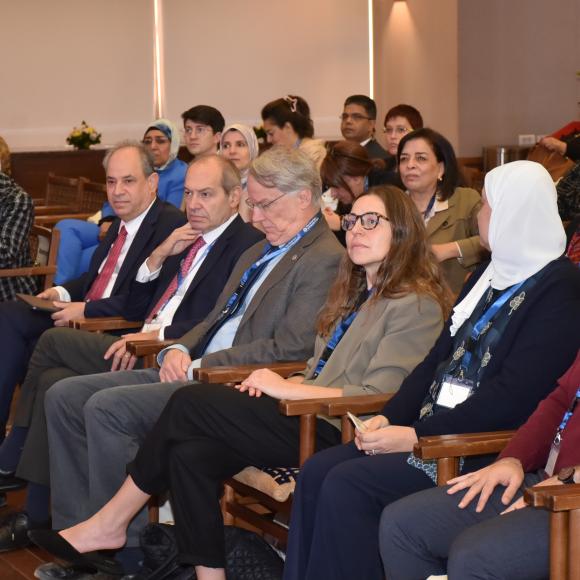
(525, 230)
(172, 133)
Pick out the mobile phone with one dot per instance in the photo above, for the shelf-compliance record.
(357, 422)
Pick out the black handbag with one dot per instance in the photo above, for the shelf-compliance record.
(248, 556)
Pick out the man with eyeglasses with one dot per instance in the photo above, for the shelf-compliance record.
(266, 313)
(358, 121)
(202, 128)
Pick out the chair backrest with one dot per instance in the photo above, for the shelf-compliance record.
(93, 195)
(44, 249)
(63, 191)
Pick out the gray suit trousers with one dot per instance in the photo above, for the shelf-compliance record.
(426, 533)
(59, 353)
(96, 424)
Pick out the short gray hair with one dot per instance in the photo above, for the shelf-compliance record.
(289, 170)
(231, 177)
(144, 155)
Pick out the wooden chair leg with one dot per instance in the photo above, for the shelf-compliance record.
(153, 510)
(574, 545)
(447, 468)
(228, 497)
(558, 546)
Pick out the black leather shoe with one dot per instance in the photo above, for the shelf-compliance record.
(9, 482)
(14, 531)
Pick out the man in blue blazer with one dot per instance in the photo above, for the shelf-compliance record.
(145, 221)
(172, 293)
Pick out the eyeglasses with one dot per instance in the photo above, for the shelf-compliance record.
(199, 130)
(262, 205)
(395, 130)
(148, 141)
(354, 117)
(369, 220)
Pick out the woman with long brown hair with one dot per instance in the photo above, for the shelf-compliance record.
(382, 315)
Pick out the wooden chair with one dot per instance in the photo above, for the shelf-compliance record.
(90, 200)
(63, 194)
(562, 501)
(104, 324)
(43, 249)
(250, 495)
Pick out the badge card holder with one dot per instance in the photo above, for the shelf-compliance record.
(453, 391)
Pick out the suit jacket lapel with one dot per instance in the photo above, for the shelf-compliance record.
(214, 256)
(141, 238)
(281, 269)
(439, 219)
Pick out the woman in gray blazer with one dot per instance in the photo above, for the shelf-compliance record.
(381, 317)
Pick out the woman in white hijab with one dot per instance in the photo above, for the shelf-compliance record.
(239, 144)
(512, 334)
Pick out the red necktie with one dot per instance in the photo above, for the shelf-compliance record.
(574, 248)
(102, 280)
(174, 284)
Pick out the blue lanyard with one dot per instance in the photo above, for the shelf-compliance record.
(566, 418)
(482, 323)
(268, 255)
(429, 206)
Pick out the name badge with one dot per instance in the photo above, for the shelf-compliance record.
(552, 458)
(453, 392)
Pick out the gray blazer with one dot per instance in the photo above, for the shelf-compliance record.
(385, 342)
(279, 322)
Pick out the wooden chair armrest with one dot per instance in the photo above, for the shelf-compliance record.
(51, 209)
(235, 374)
(468, 444)
(54, 219)
(27, 271)
(555, 498)
(294, 408)
(147, 347)
(357, 404)
(103, 324)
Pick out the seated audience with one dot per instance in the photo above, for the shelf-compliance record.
(492, 534)
(382, 314)
(431, 176)
(176, 288)
(357, 123)
(79, 239)
(16, 217)
(264, 314)
(239, 144)
(202, 127)
(399, 121)
(513, 332)
(143, 222)
(348, 171)
(287, 122)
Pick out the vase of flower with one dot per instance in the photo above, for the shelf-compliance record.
(83, 137)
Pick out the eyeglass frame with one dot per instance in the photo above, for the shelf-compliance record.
(354, 117)
(263, 206)
(397, 130)
(360, 217)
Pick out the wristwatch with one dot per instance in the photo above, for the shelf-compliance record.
(566, 475)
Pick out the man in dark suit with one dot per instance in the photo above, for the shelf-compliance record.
(142, 223)
(266, 313)
(176, 287)
(358, 121)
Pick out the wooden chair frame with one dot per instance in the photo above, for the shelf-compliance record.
(49, 269)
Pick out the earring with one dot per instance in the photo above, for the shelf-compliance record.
(440, 179)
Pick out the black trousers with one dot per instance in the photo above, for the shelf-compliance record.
(206, 434)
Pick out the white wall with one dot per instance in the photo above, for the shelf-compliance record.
(237, 56)
(517, 67)
(69, 60)
(416, 61)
